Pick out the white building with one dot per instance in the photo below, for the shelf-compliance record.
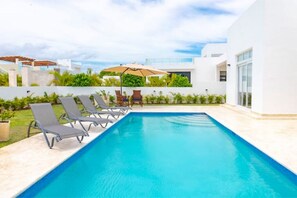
(262, 52)
(68, 65)
(207, 73)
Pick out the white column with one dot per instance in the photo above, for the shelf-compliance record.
(25, 76)
(12, 78)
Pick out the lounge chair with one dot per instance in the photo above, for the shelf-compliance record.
(121, 100)
(46, 120)
(136, 97)
(91, 109)
(73, 114)
(104, 106)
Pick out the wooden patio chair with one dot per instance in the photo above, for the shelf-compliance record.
(136, 97)
(121, 100)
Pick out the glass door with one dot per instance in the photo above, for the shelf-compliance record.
(245, 85)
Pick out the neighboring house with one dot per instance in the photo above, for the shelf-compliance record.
(207, 73)
(34, 71)
(262, 75)
(31, 70)
(68, 65)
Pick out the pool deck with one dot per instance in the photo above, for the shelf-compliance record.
(24, 162)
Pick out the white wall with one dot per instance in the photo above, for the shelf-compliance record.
(213, 49)
(206, 69)
(7, 67)
(247, 33)
(280, 62)
(9, 93)
(268, 27)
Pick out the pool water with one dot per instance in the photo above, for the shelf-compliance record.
(167, 155)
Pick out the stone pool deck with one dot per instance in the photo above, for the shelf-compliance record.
(24, 162)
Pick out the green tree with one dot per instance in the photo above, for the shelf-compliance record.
(179, 81)
(104, 73)
(82, 80)
(133, 81)
(155, 81)
(64, 79)
(111, 82)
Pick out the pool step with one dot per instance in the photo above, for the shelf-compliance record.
(193, 120)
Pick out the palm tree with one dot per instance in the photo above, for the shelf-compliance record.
(64, 79)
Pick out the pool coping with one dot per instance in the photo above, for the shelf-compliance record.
(290, 174)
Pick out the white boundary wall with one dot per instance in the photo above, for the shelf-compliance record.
(9, 93)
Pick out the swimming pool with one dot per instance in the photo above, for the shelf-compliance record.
(167, 155)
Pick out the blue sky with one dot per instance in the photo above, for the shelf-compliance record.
(106, 32)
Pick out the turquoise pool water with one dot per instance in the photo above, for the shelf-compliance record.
(167, 155)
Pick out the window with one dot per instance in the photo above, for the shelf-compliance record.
(223, 76)
(185, 74)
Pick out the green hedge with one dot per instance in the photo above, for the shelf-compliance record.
(173, 98)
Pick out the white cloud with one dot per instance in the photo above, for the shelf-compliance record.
(112, 30)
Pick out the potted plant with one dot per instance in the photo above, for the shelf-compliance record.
(5, 115)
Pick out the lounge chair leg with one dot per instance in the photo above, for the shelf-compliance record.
(29, 128)
(83, 127)
(80, 140)
(90, 126)
(52, 144)
(104, 126)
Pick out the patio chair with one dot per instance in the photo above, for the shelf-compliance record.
(46, 120)
(73, 114)
(121, 100)
(136, 97)
(103, 105)
(91, 109)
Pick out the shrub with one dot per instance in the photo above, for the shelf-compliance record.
(179, 81)
(166, 99)
(133, 81)
(64, 79)
(18, 104)
(202, 99)
(111, 82)
(146, 99)
(34, 85)
(53, 98)
(178, 98)
(219, 99)
(6, 114)
(210, 99)
(152, 99)
(104, 94)
(112, 98)
(82, 80)
(195, 98)
(105, 73)
(96, 80)
(160, 98)
(155, 81)
(189, 98)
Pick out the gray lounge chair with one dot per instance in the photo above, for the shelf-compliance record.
(91, 109)
(104, 106)
(46, 120)
(73, 114)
